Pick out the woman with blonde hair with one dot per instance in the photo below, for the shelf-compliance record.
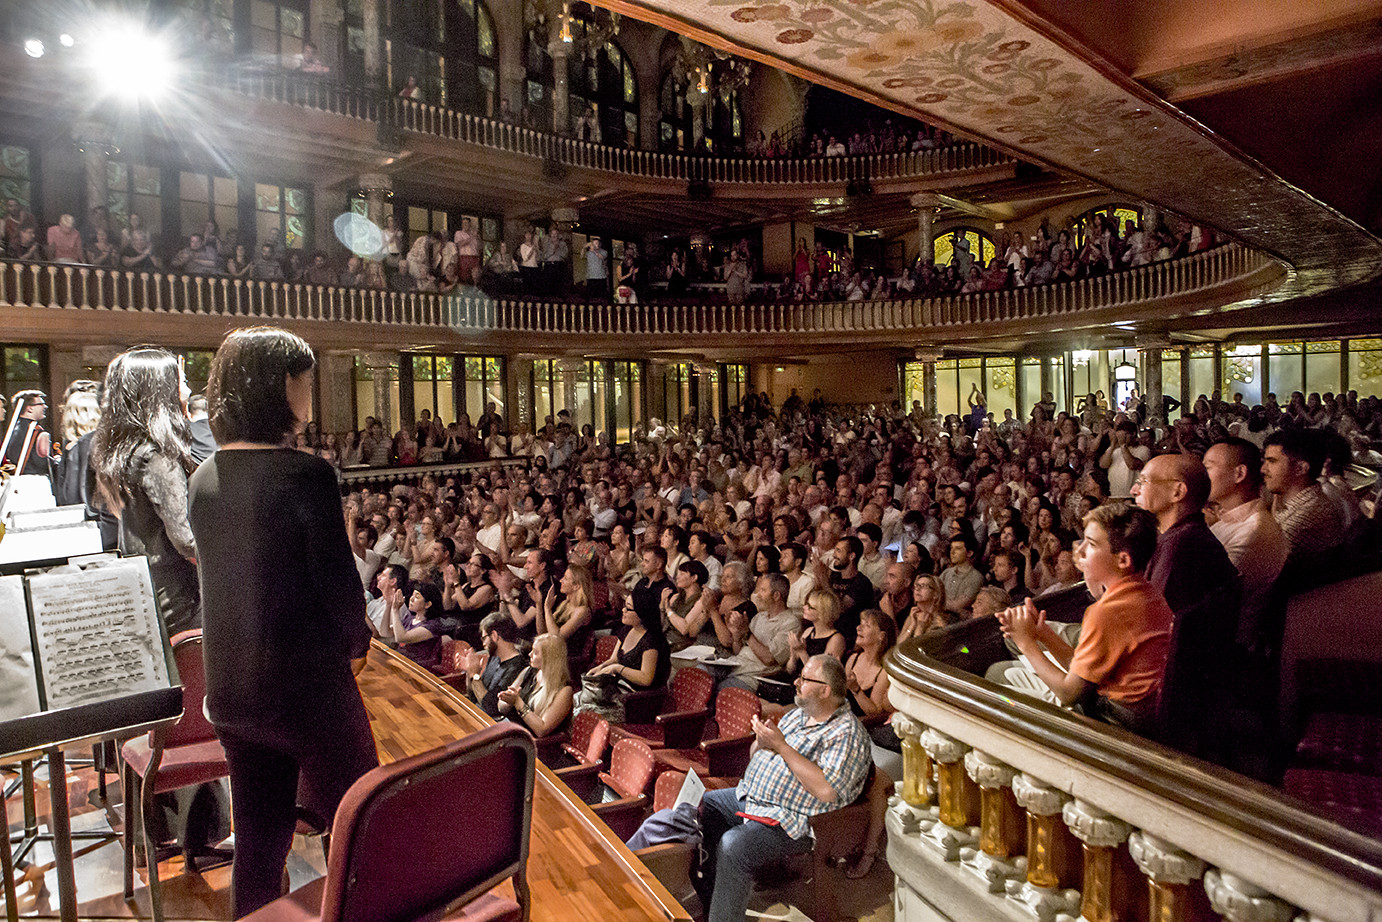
(572, 613)
(820, 612)
(540, 698)
(928, 608)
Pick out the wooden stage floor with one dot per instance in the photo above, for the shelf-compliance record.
(577, 869)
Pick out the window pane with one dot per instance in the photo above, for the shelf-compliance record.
(1002, 387)
(225, 190)
(266, 198)
(1243, 373)
(147, 180)
(192, 187)
(422, 368)
(1322, 367)
(1365, 366)
(1286, 373)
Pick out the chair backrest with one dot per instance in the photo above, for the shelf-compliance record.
(589, 736)
(453, 653)
(735, 709)
(631, 767)
(192, 726)
(690, 690)
(605, 647)
(437, 829)
(666, 789)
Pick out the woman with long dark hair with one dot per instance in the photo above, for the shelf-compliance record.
(141, 457)
(285, 619)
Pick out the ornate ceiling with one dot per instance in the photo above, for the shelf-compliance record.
(998, 72)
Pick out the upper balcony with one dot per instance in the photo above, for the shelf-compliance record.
(51, 302)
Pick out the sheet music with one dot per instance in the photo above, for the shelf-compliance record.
(18, 684)
(98, 631)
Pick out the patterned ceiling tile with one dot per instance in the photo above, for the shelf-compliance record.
(975, 66)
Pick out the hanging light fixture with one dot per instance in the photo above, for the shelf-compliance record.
(566, 23)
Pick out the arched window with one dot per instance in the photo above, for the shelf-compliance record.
(1122, 213)
(980, 245)
(449, 47)
(675, 131)
(600, 78)
(725, 122)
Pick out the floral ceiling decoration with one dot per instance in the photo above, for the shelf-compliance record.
(977, 67)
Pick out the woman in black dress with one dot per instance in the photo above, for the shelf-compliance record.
(284, 615)
(141, 457)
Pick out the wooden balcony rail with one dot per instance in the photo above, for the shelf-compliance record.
(78, 287)
(395, 114)
(1116, 827)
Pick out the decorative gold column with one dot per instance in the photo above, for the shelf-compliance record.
(1000, 826)
(1052, 859)
(1169, 872)
(918, 772)
(957, 802)
(1105, 894)
(1239, 901)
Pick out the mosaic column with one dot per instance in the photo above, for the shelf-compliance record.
(381, 366)
(374, 47)
(925, 203)
(520, 372)
(95, 141)
(561, 100)
(1151, 347)
(928, 359)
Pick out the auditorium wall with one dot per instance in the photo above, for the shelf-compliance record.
(855, 377)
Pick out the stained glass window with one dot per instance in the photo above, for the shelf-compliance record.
(981, 246)
(15, 176)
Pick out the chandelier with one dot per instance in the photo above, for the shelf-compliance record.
(598, 28)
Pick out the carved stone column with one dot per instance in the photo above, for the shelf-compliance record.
(1048, 378)
(998, 858)
(1104, 889)
(1169, 872)
(1239, 901)
(95, 141)
(697, 100)
(655, 391)
(374, 45)
(335, 385)
(1151, 348)
(381, 366)
(561, 98)
(956, 803)
(324, 27)
(925, 203)
(520, 373)
(928, 359)
(706, 409)
(1050, 852)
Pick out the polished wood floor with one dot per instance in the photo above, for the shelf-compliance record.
(577, 869)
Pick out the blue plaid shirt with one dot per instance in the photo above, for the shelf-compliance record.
(839, 745)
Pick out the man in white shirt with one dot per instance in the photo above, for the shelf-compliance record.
(698, 545)
(799, 584)
(873, 564)
(1245, 526)
(394, 576)
(491, 530)
(760, 645)
(1123, 459)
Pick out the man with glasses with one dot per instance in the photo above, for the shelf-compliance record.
(27, 444)
(1189, 563)
(816, 759)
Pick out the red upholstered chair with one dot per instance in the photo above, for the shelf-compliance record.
(605, 647)
(451, 667)
(725, 750)
(583, 751)
(672, 862)
(461, 814)
(169, 758)
(630, 777)
(684, 711)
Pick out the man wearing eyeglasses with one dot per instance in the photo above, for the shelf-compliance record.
(28, 445)
(815, 760)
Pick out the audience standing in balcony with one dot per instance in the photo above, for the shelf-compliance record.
(65, 241)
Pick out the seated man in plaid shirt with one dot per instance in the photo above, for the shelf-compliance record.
(816, 759)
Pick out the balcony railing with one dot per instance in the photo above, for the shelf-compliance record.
(392, 112)
(1230, 270)
(1011, 809)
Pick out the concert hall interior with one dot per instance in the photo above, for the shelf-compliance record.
(761, 286)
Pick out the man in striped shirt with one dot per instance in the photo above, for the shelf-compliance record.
(817, 759)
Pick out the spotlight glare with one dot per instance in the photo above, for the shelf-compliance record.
(66, 40)
(131, 63)
(34, 48)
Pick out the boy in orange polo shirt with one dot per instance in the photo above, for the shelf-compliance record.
(1125, 636)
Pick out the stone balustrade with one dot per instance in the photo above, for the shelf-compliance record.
(1080, 821)
(1228, 272)
(394, 114)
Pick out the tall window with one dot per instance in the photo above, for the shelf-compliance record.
(475, 58)
(16, 174)
(675, 131)
(432, 386)
(735, 380)
(628, 398)
(23, 368)
(422, 220)
(676, 393)
(277, 31)
(280, 216)
(203, 198)
(724, 121)
(484, 383)
(598, 77)
(415, 47)
(135, 189)
(1365, 366)
(980, 246)
(548, 397)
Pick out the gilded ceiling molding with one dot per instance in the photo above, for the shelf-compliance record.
(992, 70)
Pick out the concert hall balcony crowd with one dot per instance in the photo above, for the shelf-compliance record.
(542, 265)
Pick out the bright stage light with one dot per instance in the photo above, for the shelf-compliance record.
(66, 40)
(34, 48)
(129, 62)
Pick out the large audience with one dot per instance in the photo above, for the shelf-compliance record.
(542, 265)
